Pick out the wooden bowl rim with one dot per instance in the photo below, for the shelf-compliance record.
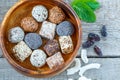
(29, 72)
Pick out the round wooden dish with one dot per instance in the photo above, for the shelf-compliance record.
(23, 9)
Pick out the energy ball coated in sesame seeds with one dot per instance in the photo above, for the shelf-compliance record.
(29, 24)
(56, 15)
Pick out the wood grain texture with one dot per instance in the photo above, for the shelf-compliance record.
(109, 71)
(108, 15)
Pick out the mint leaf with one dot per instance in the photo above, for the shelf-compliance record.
(84, 12)
(84, 1)
(93, 5)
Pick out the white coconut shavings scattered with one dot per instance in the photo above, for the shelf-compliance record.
(84, 78)
(70, 79)
(76, 68)
(84, 56)
(89, 66)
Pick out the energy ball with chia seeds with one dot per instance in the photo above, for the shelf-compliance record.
(38, 58)
(33, 40)
(55, 61)
(22, 51)
(66, 44)
(48, 30)
(65, 28)
(29, 24)
(56, 15)
(40, 13)
(52, 47)
(15, 35)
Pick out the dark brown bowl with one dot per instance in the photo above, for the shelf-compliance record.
(13, 17)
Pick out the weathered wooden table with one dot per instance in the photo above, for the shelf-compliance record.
(109, 15)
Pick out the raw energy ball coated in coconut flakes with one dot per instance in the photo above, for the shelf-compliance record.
(29, 24)
(56, 15)
(33, 40)
(15, 35)
(40, 13)
(21, 51)
(47, 30)
(38, 58)
(65, 28)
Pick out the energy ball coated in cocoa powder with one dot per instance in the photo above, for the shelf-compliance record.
(40, 13)
(65, 28)
(15, 35)
(56, 15)
(52, 47)
(29, 24)
(33, 40)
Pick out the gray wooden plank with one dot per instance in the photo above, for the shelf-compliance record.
(109, 71)
(108, 14)
(8, 73)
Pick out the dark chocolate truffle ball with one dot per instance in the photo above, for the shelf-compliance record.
(65, 28)
(33, 40)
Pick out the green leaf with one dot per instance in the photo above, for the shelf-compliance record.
(84, 12)
(93, 5)
(77, 1)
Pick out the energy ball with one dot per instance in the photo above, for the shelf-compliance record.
(48, 30)
(15, 35)
(33, 40)
(56, 15)
(22, 51)
(38, 58)
(65, 28)
(55, 61)
(66, 44)
(52, 47)
(40, 13)
(29, 24)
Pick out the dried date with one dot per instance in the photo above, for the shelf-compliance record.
(104, 31)
(98, 50)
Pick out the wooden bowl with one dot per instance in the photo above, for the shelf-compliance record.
(23, 9)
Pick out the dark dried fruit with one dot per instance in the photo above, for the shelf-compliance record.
(104, 31)
(93, 37)
(87, 44)
(98, 50)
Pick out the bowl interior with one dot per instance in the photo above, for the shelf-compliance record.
(13, 19)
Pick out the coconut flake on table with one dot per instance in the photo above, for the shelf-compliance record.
(84, 78)
(89, 66)
(70, 79)
(84, 56)
(75, 68)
